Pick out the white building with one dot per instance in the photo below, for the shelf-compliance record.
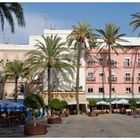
(9, 52)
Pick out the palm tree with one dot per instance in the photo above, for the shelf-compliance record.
(14, 69)
(109, 38)
(6, 13)
(51, 54)
(136, 21)
(34, 81)
(79, 37)
(135, 24)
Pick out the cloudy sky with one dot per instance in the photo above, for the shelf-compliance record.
(39, 16)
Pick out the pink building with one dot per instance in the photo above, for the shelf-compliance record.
(125, 72)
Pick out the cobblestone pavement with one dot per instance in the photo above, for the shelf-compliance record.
(106, 125)
(16, 131)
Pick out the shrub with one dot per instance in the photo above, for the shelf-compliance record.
(64, 103)
(92, 103)
(133, 103)
(34, 101)
(55, 104)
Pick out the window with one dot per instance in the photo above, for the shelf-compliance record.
(90, 89)
(101, 90)
(127, 74)
(127, 62)
(90, 77)
(101, 60)
(138, 77)
(80, 88)
(128, 90)
(22, 88)
(139, 89)
(90, 63)
(101, 74)
(128, 77)
(113, 78)
(138, 62)
(113, 89)
(113, 63)
(90, 74)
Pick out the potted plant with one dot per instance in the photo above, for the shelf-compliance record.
(34, 102)
(133, 104)
(64, 112)
(92, 107)
(56, 107)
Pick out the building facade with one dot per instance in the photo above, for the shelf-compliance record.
(125, 73)
(93, 70)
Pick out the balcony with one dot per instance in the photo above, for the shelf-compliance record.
(113, 63)
(128, 79)
(138, 64)
(138, 79)
(90, 64)
(90, 79)
(114, 79)
(127, 64)
(101, 62)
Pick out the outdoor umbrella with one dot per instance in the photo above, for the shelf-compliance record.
(138, 102)
(102, 103)
(123, 101)
(115, 102)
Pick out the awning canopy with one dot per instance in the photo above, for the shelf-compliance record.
(115, 102)
(138, 102)
(123, 101)
(7, 105)
(102, 103)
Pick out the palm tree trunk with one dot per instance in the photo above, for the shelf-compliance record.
(133, 73)
(3, 86)
(49, 85)
(16, 92)
(77, 79)
(110, 78)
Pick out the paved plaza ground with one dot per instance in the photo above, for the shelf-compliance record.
(105, 125)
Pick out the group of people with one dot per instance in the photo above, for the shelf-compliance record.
(9, 119)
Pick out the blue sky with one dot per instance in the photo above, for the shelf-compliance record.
(65, 15)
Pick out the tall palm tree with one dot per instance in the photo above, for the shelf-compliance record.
(109, 38)
(14, 69)
(78, 37)
(7, 10)
(136, 21)
(135, 24)
(51, 54)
